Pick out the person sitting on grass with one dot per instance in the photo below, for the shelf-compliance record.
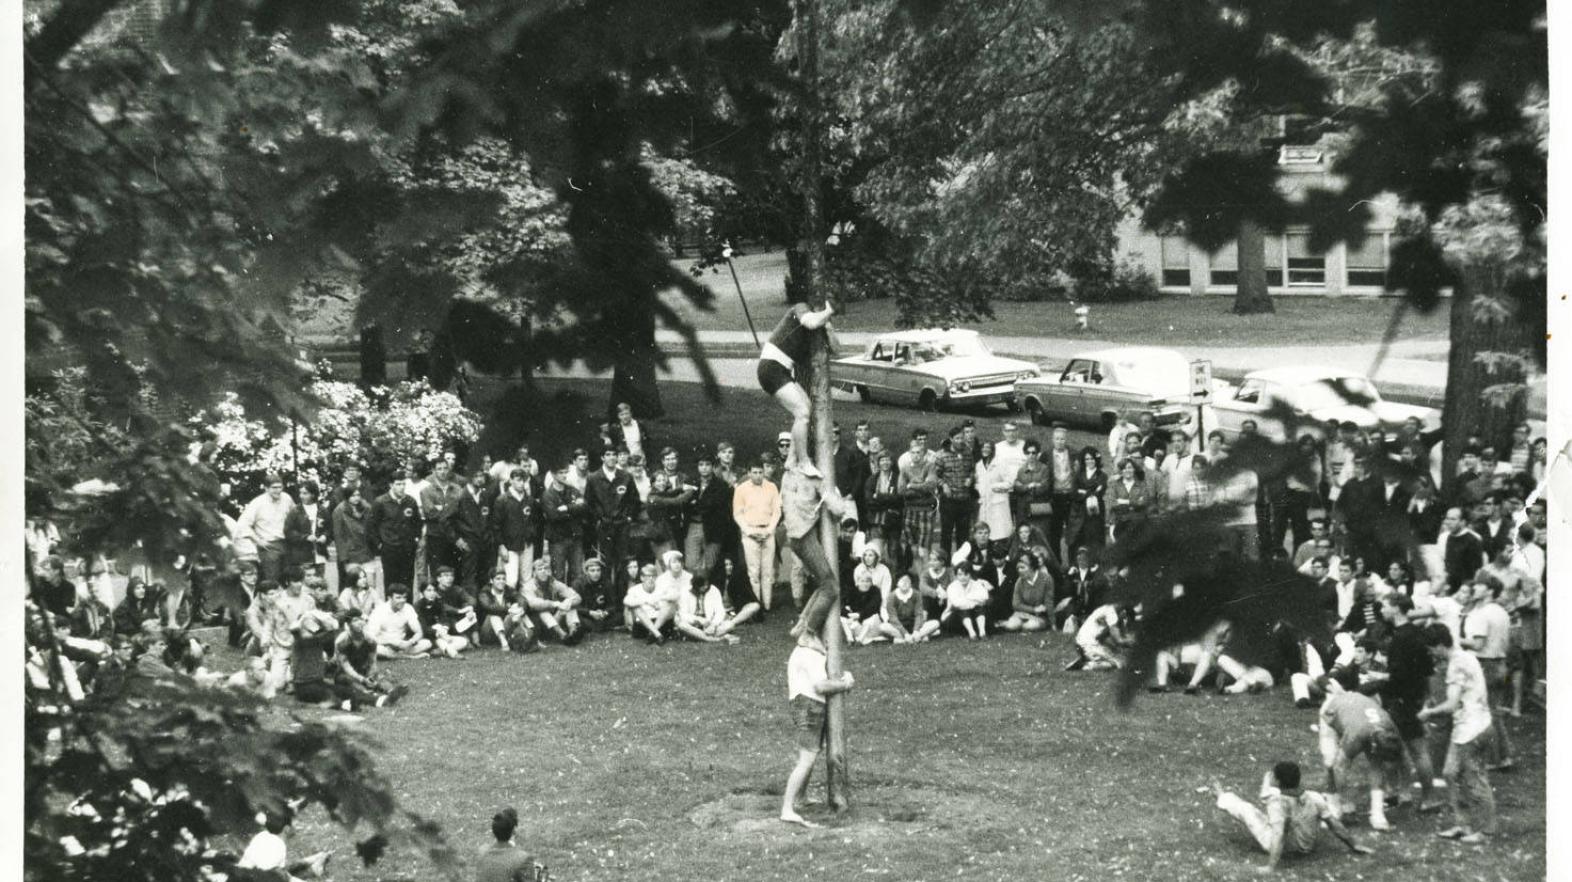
(1354, 730)
(267, 852)
(395, 626)
(860, 608)
(650, 609)
(358, 592)
(503, 860)
(597, 606)
(1031, 597)
(308, 663)
(966, 604)
(932, 580)
(1198, 658)
(1101, 640)
(904, 616)
(1289, 819)
(879, 574)
(440, 612)
(358, 680)
(701, 613)
(491, 607)
(553, 606)
(741, 602)
(807, 683)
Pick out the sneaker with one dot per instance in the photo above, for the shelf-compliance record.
(732, 639)
(1076, 664)
(1453, 833)
(1303, 703)
(382, 701)
(396, 693)
(1157, 689)
(1475, 838)
(1381, 825)
(346, 705)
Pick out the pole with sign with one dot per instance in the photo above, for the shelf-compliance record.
(1200, 395)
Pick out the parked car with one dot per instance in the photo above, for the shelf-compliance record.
(1313, 395)
(1096, 388)
(931, 368)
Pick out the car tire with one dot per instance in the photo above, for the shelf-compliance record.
(863, 394)
(928, 401)
(1034, 409)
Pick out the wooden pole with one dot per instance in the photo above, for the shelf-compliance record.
(837, 778)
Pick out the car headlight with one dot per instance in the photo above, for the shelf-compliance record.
(1028, 375)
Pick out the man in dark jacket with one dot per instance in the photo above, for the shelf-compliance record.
(851, 467)
(439, 506)
(393, 532)
(613, 504)
(564, 510)
(710, 531)
(514, 519)
(1360, 505)
(472, 528)
(1464, 553)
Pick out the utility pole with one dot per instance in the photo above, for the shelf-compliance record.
(837, 778)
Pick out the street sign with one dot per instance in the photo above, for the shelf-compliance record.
(1200, 382)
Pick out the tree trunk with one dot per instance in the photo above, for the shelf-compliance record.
(1468, 415)
(633, 377)
(1251, 296)
(373, 357)
(811, 247)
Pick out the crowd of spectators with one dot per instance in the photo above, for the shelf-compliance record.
(968, 538)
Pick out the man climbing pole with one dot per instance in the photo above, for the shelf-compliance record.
(781, 360)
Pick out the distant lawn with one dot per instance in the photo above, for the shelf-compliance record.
(1173, 321)
(974, 760)
(971, 760)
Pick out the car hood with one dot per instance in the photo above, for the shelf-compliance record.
(976, 366)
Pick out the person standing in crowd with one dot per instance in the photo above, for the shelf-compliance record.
(393, 532)
(919, 487)
(307, 530)
(566, 512)
(707, 519)
(476, 544)
(851, 462)
(880, 507)
(351, 548)
(1033, 496)
(1462, 552)
(1487, 631)
(1129, 499)
(439, 506)
(263, 524)
(1086, 526)
(631, 435)
(613, 503)
(1464, 770)
(1409, 668)
(670, 497)
(514, 518)
(995, 481)
(756, 509)
(957, 490)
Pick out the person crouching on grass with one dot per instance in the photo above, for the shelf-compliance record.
(807, 684)
(1291, 819)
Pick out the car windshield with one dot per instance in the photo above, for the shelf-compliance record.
(948, 347)
(1335, 392)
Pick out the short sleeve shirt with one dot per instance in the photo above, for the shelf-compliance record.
(1299, 818)
(1492, 623)
(804, 669)
(1472, 716)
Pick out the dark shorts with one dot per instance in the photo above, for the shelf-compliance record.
(773, 375)
(807, 718)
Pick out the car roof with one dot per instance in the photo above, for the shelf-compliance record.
(927, 335)
(1294, 375)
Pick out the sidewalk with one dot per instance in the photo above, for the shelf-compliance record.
(1413, 371)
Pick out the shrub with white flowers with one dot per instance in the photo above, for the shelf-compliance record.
(382, 430)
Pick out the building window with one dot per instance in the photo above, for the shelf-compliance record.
(1305, 269)
(1367, 264)
(1225, 266)
(1176, 262)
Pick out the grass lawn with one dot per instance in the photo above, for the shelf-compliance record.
(972, 760)
(1171, 321)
